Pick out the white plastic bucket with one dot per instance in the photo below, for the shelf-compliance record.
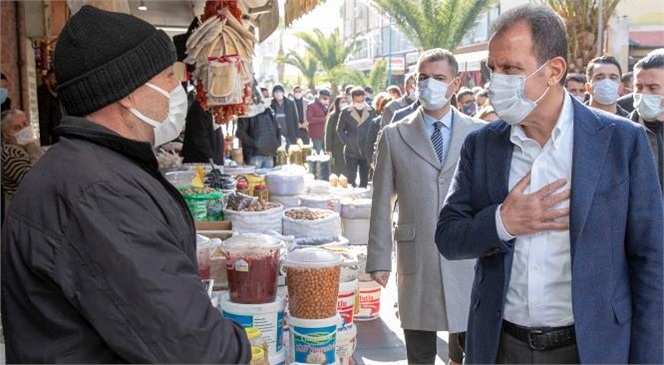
(314, 341)
(346, 343)
(278, 359)
(267, 317)
(346, 301)
(356, 230)
(369, 301)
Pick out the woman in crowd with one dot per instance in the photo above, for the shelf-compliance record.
(20, 151)
(333, 144)
(378, 104)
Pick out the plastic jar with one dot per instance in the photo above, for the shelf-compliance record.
(256, 338)
(204, 248)
(261, 192)
(312, 275)
(252, 263)
(258, 356)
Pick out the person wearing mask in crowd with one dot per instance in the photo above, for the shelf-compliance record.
(575, 84)
(415, 161)
(260, 135)
(286, 114)
(557, 202)
(649, 104)
(20, 151)
(4, 93)
(407, 98)
(604, 86)
(334, 145)
(482, 98)
(379, 105)
(98, 249)
(368, 91)
(353, 128)
(394, 92)
(49, 109)
(301, 105)
(466, 102)
(626, 100)
(316, 117)
(198, 132)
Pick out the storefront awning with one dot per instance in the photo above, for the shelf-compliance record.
(471, 61)
(294, 9)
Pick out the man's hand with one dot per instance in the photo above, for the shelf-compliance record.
(381, 277)
(524, 214)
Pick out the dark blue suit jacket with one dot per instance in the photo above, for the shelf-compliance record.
(616, 219)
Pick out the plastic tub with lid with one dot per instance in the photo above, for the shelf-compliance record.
(312, 276)
(252, 260)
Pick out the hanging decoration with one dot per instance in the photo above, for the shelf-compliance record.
(221, 50)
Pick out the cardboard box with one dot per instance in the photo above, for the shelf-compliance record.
(213, 225)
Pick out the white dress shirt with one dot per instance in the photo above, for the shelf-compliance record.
(540, 288)
(445, 130)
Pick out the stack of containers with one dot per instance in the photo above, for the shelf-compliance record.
(252, 301)
(369, 290)
(355, 219)
(312, 276)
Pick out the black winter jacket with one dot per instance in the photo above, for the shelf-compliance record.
(260, 135)
(354, 134)
(99, 262)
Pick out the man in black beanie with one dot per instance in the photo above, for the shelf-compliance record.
(98, 249)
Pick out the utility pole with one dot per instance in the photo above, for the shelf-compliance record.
(600, 28)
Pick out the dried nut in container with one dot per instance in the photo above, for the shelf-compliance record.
(308, 214)
(313, 292)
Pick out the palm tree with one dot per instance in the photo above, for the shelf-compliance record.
(306, 64)
(434, 23)
(582, 17)
(330, 52)
(376, 78)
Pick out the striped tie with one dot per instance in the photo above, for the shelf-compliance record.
(437, 140)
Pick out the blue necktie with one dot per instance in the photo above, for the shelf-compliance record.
(437, 140)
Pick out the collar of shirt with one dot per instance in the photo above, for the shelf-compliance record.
(429, 121)
(563, 124)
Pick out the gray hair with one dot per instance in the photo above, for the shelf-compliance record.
(439, 54)
(6, 117)
(546, 27)
(654, 59)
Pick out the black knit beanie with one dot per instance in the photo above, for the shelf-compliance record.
(102, 56)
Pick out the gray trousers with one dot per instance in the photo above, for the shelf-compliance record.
(513, 351)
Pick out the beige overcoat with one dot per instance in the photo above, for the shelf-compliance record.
(434, 294)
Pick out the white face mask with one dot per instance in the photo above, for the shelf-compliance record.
(24, 136)
(359, 105)
(432, 93)
(580, 98)
(279, 95)
(297, 96)
(325, 102)
(507, 96)
(342, 105)
(649, 106)
(605, 92)
(170, 128)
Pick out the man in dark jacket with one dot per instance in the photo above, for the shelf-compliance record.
(49, 109)
(353, 129)
(98, 249)
(198, 133)
(286, 114)
(260, 136)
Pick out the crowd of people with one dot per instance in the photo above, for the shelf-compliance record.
(529, 221)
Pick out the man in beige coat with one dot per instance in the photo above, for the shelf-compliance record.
(415, 163)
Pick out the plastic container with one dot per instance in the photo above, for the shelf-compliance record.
(313, 341)
(204, 247)
(260, 191)
(180, 179)
(258, 356)
(369, 301)
(312, 275)
(269, 318)
(278, 359)
(289, 181)
(321, 201)
(346, 344)
(356, 230)
(252, 262)
(346, 301)
(256, 338)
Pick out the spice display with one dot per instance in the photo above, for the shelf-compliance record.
(307, 214)
(218, 180)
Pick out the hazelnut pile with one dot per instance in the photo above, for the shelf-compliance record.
(195, 191)
(259, 206)
(308, 214)
(313, 292)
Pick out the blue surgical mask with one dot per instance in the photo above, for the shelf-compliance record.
(507, 96)
(469, 109)
(3, 94)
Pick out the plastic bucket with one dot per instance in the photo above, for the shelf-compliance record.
(268, 318)
(278, 359)
(356, 230)
(369, 301)
(346, 343)
(346, 301)
(314, 341)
